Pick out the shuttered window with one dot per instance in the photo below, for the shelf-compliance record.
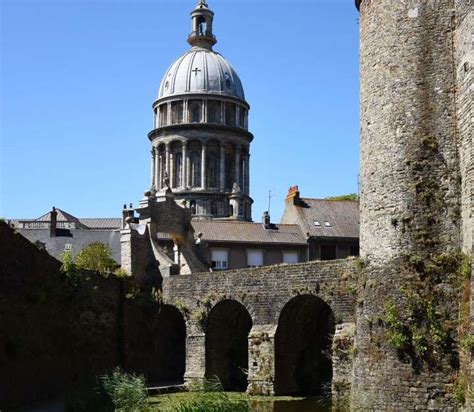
(290, 257)
(254, 258)
(219, 259)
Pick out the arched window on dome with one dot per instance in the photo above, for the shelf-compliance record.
(178, 170)
(177, 112)
(163, 115)
(195, 111)
(230, 114)
(212, 171)
(162, 166)
(201, 26)
(194, 169)
(214, 111)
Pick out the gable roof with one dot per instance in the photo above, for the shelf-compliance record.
(342, 216)
(246, 232)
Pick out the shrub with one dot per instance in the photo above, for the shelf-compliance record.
(96, 257)
(126, 391)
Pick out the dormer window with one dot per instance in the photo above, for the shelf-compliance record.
(327, 224)
(317, 223)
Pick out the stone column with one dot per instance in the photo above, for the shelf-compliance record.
(167, 159)
(261, 372)
(153, 167)
(222, 168)
(168, 113)
(195, 353)
(184, 165)
(185, 111)
(157, 168)
(203, 165)
(171, 173)
(238, 153)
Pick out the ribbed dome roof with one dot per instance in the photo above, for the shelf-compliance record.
(201, 70)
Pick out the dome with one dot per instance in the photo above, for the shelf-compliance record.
(201, 70)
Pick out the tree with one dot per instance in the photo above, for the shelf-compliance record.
(350, 196)
(96, 257)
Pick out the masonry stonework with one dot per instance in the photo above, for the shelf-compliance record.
(264, 292)
(416, 195)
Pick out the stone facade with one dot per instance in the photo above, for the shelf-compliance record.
(416, 196)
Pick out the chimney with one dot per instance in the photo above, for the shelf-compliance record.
(126, 214)
(293, 195)
(266, 220)
(53, 222)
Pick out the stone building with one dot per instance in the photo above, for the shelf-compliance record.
(331, 226)
(200, 141)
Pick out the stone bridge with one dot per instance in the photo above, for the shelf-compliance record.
(282, 330)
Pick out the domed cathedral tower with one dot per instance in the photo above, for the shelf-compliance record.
(200, 141)
(416, 204)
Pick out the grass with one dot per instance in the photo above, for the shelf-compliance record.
(174, 402)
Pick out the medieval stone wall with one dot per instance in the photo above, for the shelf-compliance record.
(410, 202)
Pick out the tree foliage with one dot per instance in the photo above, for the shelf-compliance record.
(96, 257)
(350, 196)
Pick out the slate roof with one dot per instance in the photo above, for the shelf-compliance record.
(102, 223)
(342, 216)
(246, 232)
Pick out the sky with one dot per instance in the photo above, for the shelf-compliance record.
(78, 78)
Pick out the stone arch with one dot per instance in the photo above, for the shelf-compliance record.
(170, 345)
(303, 342)
(227, 330)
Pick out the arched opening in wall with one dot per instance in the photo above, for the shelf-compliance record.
(229, 168)
(303, 339)
(202, 26)
(170, 346)
(194, 169)
(193, 207)
(214, 111)
(227, 331)
(178, 170)
(177, 112)
(162, 166)
(195, 111)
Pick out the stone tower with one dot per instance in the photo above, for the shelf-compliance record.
(416, 200)
(200, 141)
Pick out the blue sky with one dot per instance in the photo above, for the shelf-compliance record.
(78, 79)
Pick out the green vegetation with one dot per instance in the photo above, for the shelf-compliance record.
(126, 391)
(96, 257)
(71, 271)
(116, 392)
(422, 327)
(350, 196)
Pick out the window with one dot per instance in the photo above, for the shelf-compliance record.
(230, 114)
(254, 258)
(163, 114)
(219, 259)
(195, 169)
(177, 112)
(317, 223)
(327, 224)
(213, 170)
(354, 251)
(178, 170)
(195, 111)
(290, 257)
(214, 111)
(213, 208)
(67, 246)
